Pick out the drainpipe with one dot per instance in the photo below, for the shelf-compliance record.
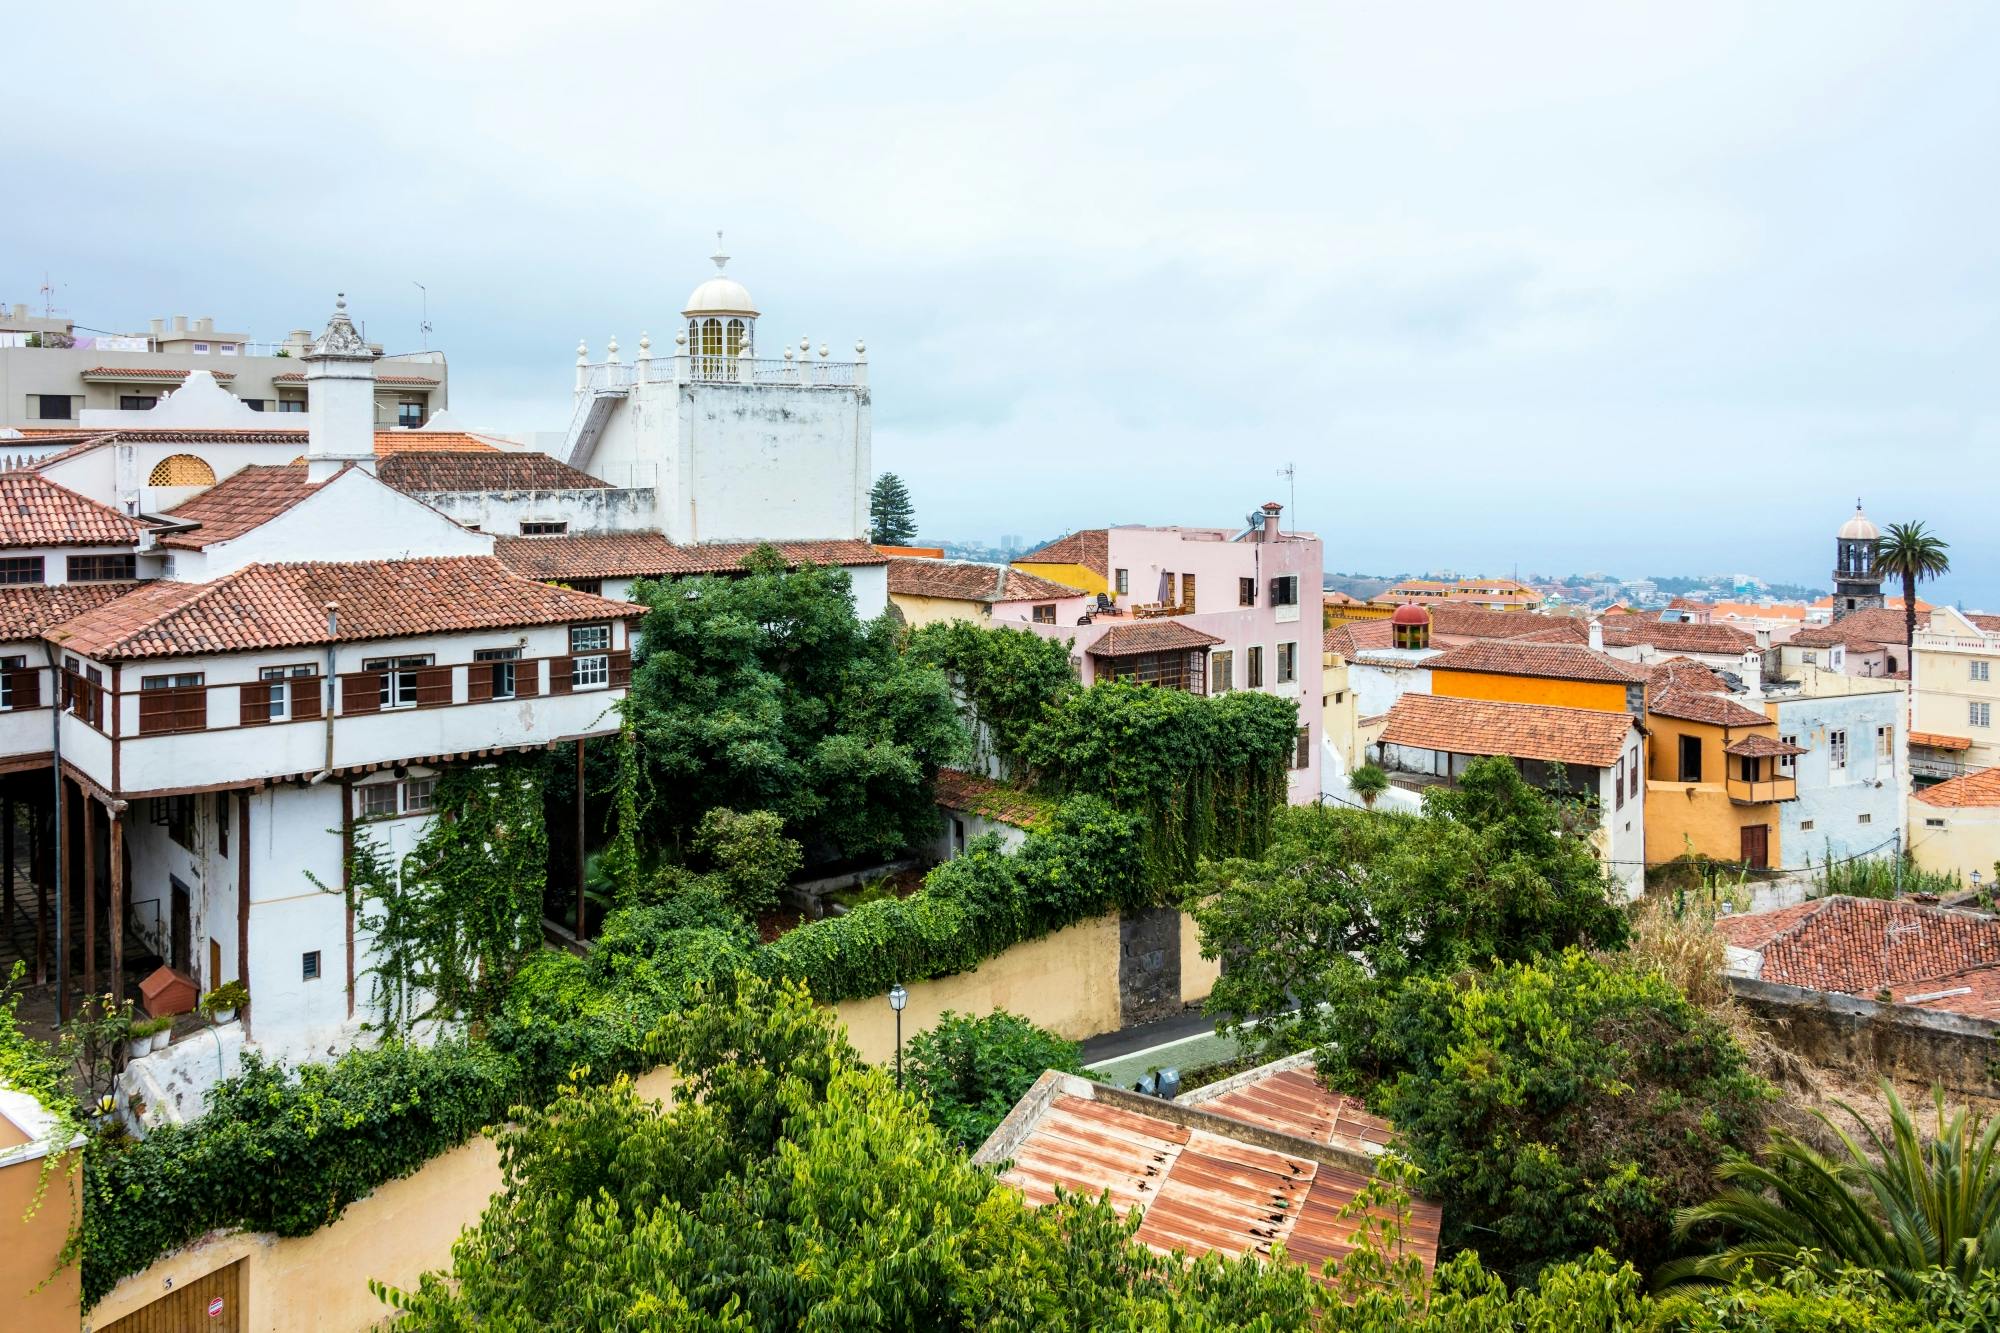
(326, 705)
(55, 748)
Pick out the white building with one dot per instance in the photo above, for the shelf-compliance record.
(1854, 777)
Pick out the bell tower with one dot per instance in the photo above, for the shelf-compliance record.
(1857, 583)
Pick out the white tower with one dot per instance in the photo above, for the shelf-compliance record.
(340, 398)
(721, 323)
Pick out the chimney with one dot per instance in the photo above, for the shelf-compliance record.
(1596, 636)
(159, 326)
(206, 324)
(1271, 511)
(340, 399)
(180, 323)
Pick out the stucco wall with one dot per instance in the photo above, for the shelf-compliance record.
(30, 1243)
(1699, 816)
(1962, 839)
(502, 512)
(1529, 690)
(1853, 808)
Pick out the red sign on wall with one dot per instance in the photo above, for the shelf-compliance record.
(215, 1308)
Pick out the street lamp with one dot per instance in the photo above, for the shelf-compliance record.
(898, 997)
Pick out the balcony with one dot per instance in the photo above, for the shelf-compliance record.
(802, 371)
(1763, 791)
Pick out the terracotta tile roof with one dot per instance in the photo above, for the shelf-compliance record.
(1286, 1096)
(387, 442)
(1991, 624)
(284, 606)
(1859, 946)
(1760, 746)
(1349, 638)
(151, 373)
(243, 500)
(420, 470)
(1090, 548)
(69, 451)
(1203, 1190)
(970, 792)
(1934, 740)
(34, 511)
(1974, 992)
(1687, 690)
(1587, 736)
(1875, 626)
(967, 581)
(615, 555)
(1675, 636)
(391, 442)
(1153, 636)
(1453, 620)
(1555, 661)
(1566, 629)
(1981, 789)
(27, 609)
(298, 376)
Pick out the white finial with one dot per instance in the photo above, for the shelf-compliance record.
(805, 344)
(340, 300)
(860, 348)
(681, 338)
(788, 354)
(582, 352)
(822, 351)
(645, 346)
(719, 257)
(611, 350)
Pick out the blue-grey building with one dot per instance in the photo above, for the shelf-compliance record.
(1854, 777)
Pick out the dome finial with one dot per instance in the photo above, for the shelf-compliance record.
(721, 259)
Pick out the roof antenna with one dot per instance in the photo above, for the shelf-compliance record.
(719, 257)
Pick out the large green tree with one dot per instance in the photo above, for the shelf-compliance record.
(765, 692)
(1911, 552)
(892, 515)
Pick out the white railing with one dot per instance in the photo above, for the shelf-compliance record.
(809, 372)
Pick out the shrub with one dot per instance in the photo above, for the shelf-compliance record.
(973, 1070)
(749, 857)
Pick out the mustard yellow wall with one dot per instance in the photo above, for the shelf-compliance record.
(1969, 840)
(1699, 816)
(1076, 576)
(1529, 690)
(1338, 712)
(930, 610)
(1356, 611)
(31, 1299)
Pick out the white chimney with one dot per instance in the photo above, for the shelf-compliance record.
(1596, 636)
(340, 398)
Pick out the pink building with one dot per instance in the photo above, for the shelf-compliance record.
(1206, 610)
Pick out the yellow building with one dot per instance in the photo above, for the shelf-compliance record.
(1338, 714)
(1081, 560)
(1564, 675)
(928, 591)
(1715, 775)
(1955, 695)
(1955, 826)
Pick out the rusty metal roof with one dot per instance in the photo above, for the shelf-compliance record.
(1207, 1182)
(1285, 1096)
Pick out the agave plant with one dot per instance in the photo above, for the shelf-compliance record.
(1900, 1203)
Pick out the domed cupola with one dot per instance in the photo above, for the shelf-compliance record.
(1857, 583)
(1410, 626)
(721, 322)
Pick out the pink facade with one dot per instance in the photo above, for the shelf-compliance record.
(1067, 610)
(1233, 600)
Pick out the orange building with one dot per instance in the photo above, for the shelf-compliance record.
(1716, 771)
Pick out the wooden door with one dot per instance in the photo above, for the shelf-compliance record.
(181, 926)
(1757, 845)
(188, 1309)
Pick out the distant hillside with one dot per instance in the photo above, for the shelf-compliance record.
(1362, 586)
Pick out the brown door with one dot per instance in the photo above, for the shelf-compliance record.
(181, 924)
(1757, 845)
(188, 1309)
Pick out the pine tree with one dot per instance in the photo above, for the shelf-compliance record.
(892, 519)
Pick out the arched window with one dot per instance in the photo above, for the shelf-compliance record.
(735, 340)
(181, 470)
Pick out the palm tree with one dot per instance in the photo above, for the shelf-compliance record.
(1899, 1203)
(1908, 550)
(1368, 782)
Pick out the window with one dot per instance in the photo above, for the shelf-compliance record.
(21, 569)
(544, 528)
(1168, 592)
(1339, 695)
(172, 703)
(222, 823)
(102, 568)
(181, 470)
(1805, 826)
(1836, 749)
(1812, 659)
(1221, 672)
(51, 406)
(1302, 751)
(378, 800)
(284, 687)
(1980, 715)
(178, 815)
(309, 965)
(291, 404)
(201, 347)
(1933, 823)
(419, 795)
(1788, 763)
(138, 402)
(1254, 666)
(595, 587)
(1618, 785)
(1980, 670)
(410, 413)
(1690, 756)
(589, 672)
(399, 678)
(1045, 614)
(1635, 773)
(1288, 663)
(254, 404)
(1285, 590)
(1885, 742)
(1122, 583)
(1864, 819)
(500, 668)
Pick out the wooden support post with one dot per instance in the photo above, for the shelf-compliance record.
(117, 921)
(7, 853)
(39, 877)
(66, 899)
(89, 900)
(581, 906)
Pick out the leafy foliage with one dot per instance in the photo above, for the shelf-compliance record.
(764, 692)
(892, 516)
(1368, 782)
(972, 1070)
(749, 857)
(1912, 553)
(1898, 1203)
(1010, 679)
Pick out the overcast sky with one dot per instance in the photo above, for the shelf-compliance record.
(1644, 288)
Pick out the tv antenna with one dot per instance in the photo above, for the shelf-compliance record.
(1290, 473)
(424, 327)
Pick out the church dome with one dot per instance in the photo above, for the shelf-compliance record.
(719, 296)
(1858, 528)
(1409, 613)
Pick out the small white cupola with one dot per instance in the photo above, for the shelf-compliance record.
(721, 322)
(340, 398)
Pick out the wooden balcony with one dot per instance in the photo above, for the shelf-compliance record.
(1763, 791)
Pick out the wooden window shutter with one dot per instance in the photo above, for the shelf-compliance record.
(156, 710)
(621, 669)
(361, 692)
(560, 671)
(305, 697)
(190, 709)
(27, 686)
(433, 686)
(479, 684)
(527, 679)
(256, 703)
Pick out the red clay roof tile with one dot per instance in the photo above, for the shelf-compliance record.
(35, 511)
(1588, 736)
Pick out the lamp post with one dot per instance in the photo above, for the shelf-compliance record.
(898, 997)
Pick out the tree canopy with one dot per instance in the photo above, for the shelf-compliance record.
(892, 515)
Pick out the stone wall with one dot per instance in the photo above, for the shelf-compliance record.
(1865, 1038)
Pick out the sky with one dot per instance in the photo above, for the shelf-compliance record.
(1644, 288)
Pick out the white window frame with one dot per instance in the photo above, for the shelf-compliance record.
(1221, 671)
(8, 666)
(278, 683)
(1836, 750)
(495, 658)
(399, 678)
(1788, 763)
(1979, 669)
(369, 794)
(1979, 714)
(1288, 664)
